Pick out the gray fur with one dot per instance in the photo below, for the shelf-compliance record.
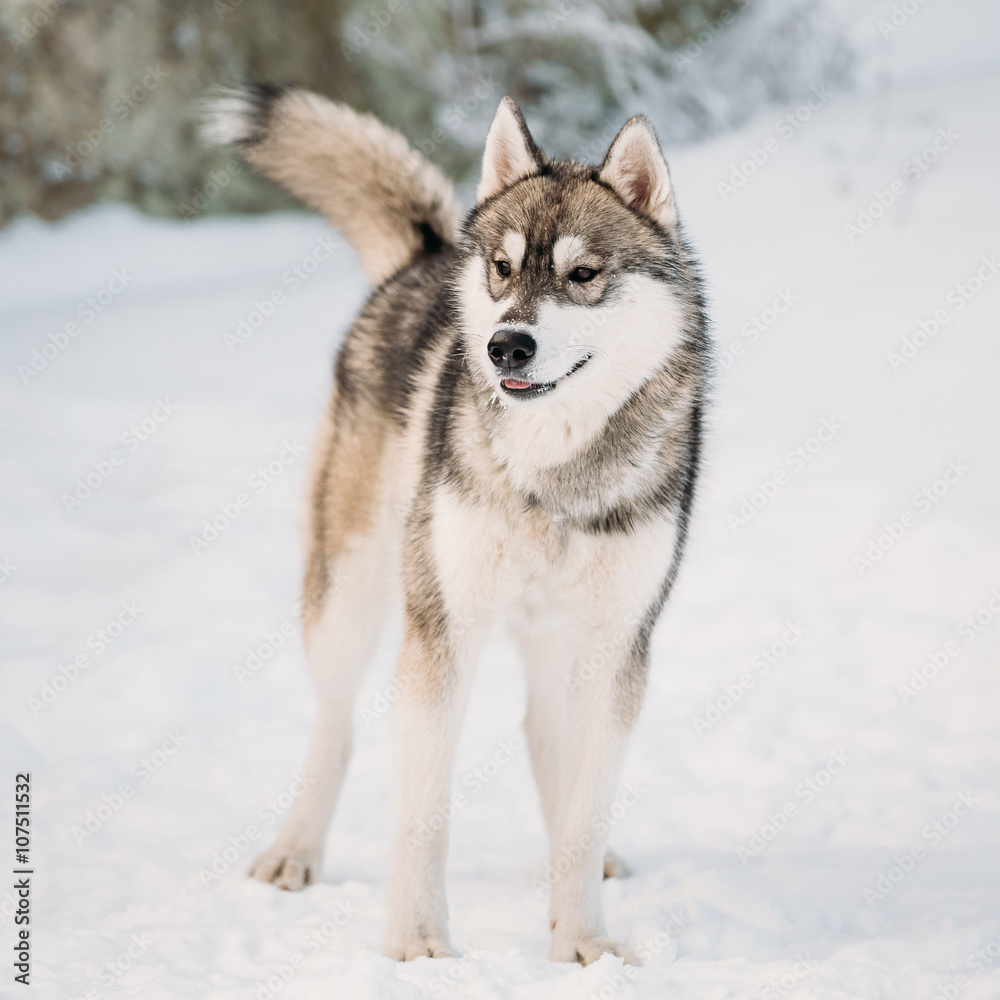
(418, 423)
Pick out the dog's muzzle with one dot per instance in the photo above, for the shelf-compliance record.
(511, 349)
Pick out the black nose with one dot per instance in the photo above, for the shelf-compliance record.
(511, 349)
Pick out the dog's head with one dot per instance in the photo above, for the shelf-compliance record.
(569, 281)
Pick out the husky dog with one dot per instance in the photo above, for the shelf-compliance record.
(513, 436)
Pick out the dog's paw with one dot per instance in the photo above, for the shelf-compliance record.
(420, 946)
(588, 949)
(287, 869)
(614, 865)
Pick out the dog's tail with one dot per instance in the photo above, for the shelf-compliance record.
(389, 201)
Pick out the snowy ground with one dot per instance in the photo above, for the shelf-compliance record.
(827, 729)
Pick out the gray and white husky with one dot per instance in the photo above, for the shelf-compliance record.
(513, 436)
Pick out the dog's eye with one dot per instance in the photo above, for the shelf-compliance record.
(582, 275)
(503, 268)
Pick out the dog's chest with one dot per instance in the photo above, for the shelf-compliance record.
(554, 561)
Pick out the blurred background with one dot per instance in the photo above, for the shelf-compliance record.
(98, 98)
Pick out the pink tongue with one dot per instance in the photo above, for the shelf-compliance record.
(513, 383)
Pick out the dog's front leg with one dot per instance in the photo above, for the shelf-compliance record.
(434, 678)
(602, 706)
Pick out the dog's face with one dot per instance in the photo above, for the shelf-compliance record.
(565, 285)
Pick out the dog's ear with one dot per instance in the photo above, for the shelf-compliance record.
(637, 172)
(510, 153)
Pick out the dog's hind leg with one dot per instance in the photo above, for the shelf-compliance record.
(340, 643)
(348, 596)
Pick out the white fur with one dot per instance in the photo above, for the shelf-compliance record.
(565, 251)
(426, 736)
(228, 119)
(506, 157)
(635, 168)
(339, 646)
(577, 742)
(514, 245)
(361, 174)
(470, 578)
(627, 340)
(572, 600)
(575, 600)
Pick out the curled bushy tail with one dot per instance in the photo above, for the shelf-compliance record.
(388, 200)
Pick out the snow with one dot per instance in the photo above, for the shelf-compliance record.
(819, 743)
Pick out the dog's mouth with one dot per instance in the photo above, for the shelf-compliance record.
(520, 388)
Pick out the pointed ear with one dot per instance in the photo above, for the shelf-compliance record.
(510, 153)
(636, 171)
